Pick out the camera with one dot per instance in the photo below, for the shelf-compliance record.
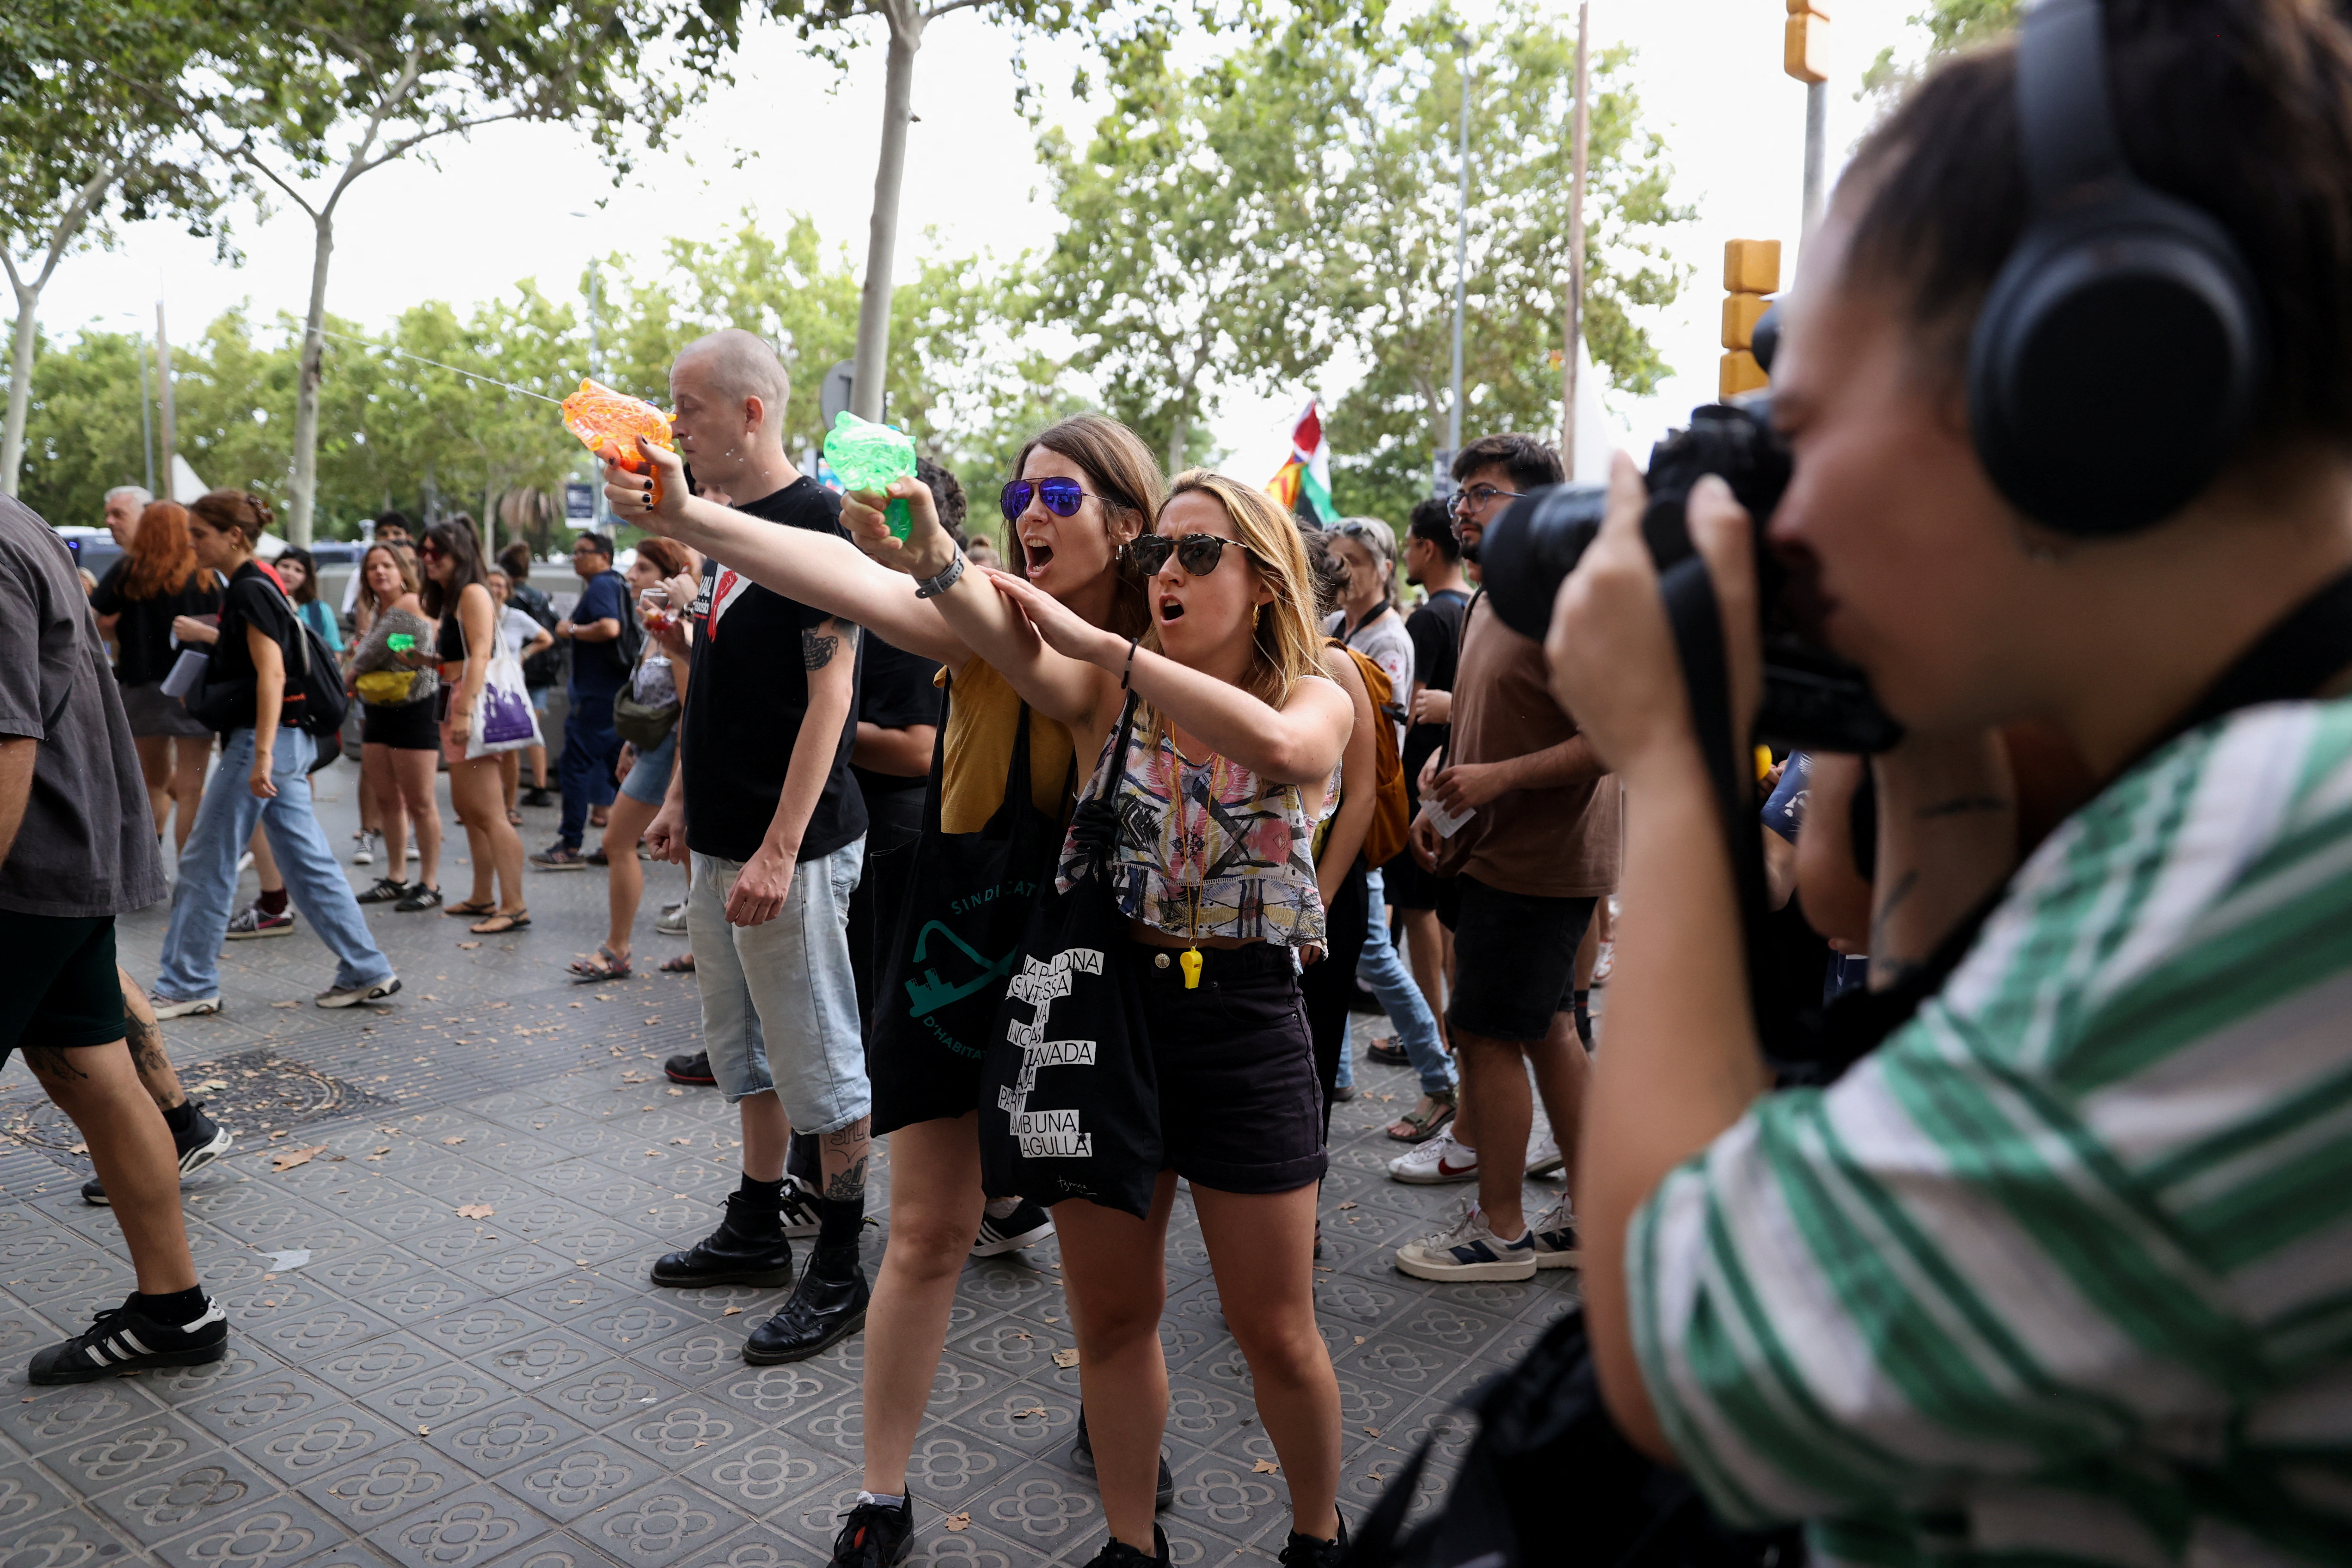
(1813, 698)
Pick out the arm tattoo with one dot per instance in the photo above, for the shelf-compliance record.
(1961, 805)
(820, 643)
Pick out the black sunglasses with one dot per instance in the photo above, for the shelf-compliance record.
(1062, 497)
(1198, 554)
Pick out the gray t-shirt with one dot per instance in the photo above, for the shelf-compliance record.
(87, 846)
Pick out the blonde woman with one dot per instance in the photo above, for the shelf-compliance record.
(1215, 802)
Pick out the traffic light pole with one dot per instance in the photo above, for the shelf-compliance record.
(1575, 325)
(1817, 114)
(1460, 253)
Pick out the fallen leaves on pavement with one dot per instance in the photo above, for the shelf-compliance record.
(1066, 1358)
(475, 1211)
(287, 1158)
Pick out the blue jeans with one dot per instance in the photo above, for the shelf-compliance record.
(207, 875)
(592, 750)
(1381, 967)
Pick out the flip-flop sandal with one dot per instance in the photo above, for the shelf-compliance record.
(682, 965)
(515, 817)
(606, 966)
(492, 927)
(469, 910)
(1423, 1127)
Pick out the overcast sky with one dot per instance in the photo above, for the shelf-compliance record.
(497, 208)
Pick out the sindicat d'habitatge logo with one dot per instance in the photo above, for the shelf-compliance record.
(1042, 1134)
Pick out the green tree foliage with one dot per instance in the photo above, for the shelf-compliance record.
(1951, 25)
(1292, 206)
(415, 416)
(1399, 249)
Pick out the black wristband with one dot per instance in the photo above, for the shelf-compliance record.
(1127, 673)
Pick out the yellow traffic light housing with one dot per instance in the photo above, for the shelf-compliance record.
(1804, 43)
(1751, 269)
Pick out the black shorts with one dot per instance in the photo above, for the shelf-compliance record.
(1514, 961)
(1239, 1108)
(1408, 886)
(62, 990)
(402, 726)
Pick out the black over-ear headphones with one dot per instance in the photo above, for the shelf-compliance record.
(2115, 366)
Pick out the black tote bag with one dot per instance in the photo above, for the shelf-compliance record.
(955, 938)
(1071, 1106)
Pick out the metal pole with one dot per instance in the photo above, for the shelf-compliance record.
(163, 382)
(1817, 112)
(1575, 326)
(146, 422)
(1461, 252)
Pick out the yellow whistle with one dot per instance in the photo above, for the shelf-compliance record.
(1191, 959)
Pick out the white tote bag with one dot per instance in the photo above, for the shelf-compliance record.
(502, 718)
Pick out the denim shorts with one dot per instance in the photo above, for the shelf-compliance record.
(648, 780)
(1241, 1104)
(1515, 961)
(779, 1000)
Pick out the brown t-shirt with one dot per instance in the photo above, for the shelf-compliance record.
(1548, 843)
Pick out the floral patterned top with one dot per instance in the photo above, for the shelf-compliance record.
(1206, 849)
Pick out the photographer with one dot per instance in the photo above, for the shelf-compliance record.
(2062, 1271)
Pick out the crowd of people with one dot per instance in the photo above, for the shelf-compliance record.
(2051, 1266)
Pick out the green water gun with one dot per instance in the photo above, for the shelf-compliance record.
(401, 642)
(869, 456)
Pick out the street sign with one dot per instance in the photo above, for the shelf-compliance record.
(1441, 474)
(578, 503)
(833, 395)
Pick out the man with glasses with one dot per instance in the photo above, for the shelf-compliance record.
(591, 747)
(1534, 851)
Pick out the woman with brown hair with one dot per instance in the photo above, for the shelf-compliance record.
(250, 695)
(400, 746)
(458, 593)
(158, 580)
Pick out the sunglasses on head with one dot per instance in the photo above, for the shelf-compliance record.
(1198, 554)
(1062, 497)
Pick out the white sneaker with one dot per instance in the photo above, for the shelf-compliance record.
(369, 843)
(673, 920)
(193, 1007)
(1543, 1155)
(1555, 1237)
(1444, 1158)
(1468, 1251)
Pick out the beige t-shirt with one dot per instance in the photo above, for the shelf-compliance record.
(1547, 843)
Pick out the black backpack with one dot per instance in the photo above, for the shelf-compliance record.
(545, 668)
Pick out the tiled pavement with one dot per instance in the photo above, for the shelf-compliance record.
(443, 1392)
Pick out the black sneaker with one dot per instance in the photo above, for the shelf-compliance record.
(828, 1305)
(249, 923)
(746, 1248)
(203, 1142)
(694, 1069)
(1119, 1554)
(535, 798)
(127, 1339)
(1016, 1230)
(420, 897)
(1388, 1054)
(386, 892)
(1311, 1551)
(1082, 1455)
(876, 1535)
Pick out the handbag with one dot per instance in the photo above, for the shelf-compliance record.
(1071, 1106)
(954, 938)
(387, 688)
(501, 717)
(644, 725)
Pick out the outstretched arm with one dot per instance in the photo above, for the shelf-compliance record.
(822, 572)
(1298, 742)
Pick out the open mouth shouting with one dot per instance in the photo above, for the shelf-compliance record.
(1035, 556)
(1169, 609)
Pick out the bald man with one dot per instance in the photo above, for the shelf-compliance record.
(763, 804)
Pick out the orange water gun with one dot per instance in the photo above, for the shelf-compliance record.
(601, 416)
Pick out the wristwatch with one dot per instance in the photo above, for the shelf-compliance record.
(932, 587)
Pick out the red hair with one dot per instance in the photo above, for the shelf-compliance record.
(161, 560)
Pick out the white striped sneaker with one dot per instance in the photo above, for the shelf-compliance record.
(127, 1339)
(1555, 1233)
(1468, 1251)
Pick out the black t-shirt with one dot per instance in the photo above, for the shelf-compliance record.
(143, 635)
(895, 690)
(255, 596)
(1435, 629)
(748, 696)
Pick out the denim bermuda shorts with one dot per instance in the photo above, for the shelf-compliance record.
(779, 1000)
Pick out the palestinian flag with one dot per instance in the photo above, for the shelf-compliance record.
(1303, 485)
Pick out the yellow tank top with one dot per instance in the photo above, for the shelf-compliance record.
(983, 712)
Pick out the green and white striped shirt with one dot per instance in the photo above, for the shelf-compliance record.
(2063, 1274)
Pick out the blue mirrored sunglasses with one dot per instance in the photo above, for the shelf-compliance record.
(1062, 497)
